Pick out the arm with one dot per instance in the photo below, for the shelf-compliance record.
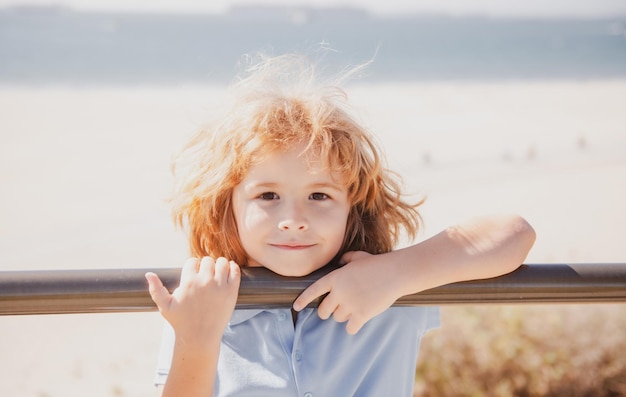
(369, 284)
(198, 310)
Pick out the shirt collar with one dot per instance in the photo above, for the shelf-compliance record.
(241, 315)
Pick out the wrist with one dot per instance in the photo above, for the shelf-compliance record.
(413, 273)
(402, 282)
(195, 344)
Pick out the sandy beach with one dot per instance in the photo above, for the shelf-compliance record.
(85, 177)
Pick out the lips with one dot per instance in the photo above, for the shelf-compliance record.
(292, 246)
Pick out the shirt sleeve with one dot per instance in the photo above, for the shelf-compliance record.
(422, 318)
(433, 318)
(166, 351)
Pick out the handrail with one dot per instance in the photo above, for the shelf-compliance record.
(125, 290)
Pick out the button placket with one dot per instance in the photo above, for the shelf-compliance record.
(298, 359)
(285, 331)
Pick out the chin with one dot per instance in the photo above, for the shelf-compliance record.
(291, 272)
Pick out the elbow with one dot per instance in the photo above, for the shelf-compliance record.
(497, 244)
(525, 233)
(521, 238)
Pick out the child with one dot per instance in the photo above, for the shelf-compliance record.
(289, 181)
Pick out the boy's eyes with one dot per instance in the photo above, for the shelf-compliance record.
(268, 196)
(318, 196)
(273, 196)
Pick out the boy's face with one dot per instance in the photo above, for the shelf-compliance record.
(291, 214)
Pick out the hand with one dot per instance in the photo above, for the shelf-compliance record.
(360, 290)
(200, 308)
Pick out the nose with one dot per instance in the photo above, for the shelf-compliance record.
(293, 219)
(292, 223)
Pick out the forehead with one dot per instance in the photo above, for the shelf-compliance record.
(294, 162)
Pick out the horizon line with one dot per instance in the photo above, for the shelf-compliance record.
(240, 8)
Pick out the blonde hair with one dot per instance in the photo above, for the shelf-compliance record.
(275, 106)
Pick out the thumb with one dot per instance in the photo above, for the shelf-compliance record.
(159, 294)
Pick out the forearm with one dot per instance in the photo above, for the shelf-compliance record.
(193, 371)
(367, 284)
(481, 248)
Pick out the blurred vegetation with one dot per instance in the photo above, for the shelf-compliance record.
(525, 350)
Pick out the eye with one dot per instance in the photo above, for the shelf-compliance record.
(318, 196)
(268, 196)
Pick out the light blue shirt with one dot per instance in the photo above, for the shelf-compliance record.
(263, 354)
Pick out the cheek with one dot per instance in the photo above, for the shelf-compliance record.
(337, 229)
(335, 222)
(250, 218)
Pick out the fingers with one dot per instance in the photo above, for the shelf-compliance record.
(220, 270)
(190, 269)
(159, 294)
(326, 308)
(351, 256)
(341, 315)
(207, 265)
(223, 268)
(353, 326)
(234, 275)
(314, 291)
(227, 272)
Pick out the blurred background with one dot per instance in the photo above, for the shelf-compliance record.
(482, 106)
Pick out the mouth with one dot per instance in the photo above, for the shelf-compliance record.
(292, 246)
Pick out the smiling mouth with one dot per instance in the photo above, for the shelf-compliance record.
(294, 247)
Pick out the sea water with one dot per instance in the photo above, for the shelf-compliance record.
(52, 45)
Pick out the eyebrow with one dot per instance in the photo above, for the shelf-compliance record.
(330, 185)
(316, 185)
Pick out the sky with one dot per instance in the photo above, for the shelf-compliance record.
(508, 8)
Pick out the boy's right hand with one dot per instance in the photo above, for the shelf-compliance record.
(200, 308)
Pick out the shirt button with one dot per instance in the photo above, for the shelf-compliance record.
(308, 394)
(282, 316)
(298, 357)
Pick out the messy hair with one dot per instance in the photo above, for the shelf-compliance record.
(275, 105)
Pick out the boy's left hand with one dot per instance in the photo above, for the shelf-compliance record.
(358, 291)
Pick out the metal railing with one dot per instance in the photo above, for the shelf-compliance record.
(125, 290)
